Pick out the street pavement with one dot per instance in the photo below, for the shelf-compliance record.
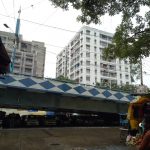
(62, 139)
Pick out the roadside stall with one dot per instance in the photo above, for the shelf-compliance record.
(135, 116)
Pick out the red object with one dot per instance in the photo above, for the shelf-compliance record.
(145, 144)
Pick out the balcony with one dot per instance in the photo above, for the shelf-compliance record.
(108, 74)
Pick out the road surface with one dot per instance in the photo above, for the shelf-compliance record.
(62, 139)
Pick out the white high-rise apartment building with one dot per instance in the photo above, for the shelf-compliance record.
(29, 56)
(82, 60)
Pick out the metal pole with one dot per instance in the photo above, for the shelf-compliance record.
(16, 42)
(13, 58)
(141, 71)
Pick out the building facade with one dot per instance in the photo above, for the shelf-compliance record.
(82, 60)
(29, 56)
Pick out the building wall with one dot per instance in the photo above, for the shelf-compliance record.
(29, 57)
(84, 61)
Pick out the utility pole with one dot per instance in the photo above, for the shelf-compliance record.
(141, 71)
(16, 43)
(141, 89)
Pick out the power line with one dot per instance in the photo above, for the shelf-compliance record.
(6, 11)
(54, 45)
(50, 27)
(47, 18)
(5, 8)
(14, 8)
(54, 27)
(32, 5)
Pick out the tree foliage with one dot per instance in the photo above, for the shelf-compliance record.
(132, 37)
(124, 88)
(65, 79)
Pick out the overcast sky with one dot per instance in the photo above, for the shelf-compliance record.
(52, 20)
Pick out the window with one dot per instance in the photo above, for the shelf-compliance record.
(72, 43)
(87, 47)
(113, 81)
(100, 50)
(72, 76)
(94, 33)
(77, 65)
(120, 61)
(16, 68)
(29, 60)
(121, 83)
(88, 32)
(88, 71)
(81, 79)
(104, 73)
(23, 45)
(126, 62)
(109, 38)
(102, 36)
(36, 46)
(17, 59)
(95, 56)
(126, 69)
(28, 70)
(87, 39)
(95, 48)
(104, 44)
(26, 46)
(95, 79)
(95, 63)
(120, 76)
(71, 70)
(95, 41)
(77, 73)
(87, 78)
(127, 76)
(87, 54)
(113, 75)
(111, 67)
(3, 38)
(95, 71)
(88, 63)
(28, 55)
(81, 47)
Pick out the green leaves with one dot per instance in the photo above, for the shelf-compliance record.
(132, 37)
(65, 79)
(92, 10)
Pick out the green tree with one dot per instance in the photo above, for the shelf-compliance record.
(65, 79)
(135, 72)
(132, 37)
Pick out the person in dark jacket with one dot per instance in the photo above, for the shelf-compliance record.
(145, 142)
